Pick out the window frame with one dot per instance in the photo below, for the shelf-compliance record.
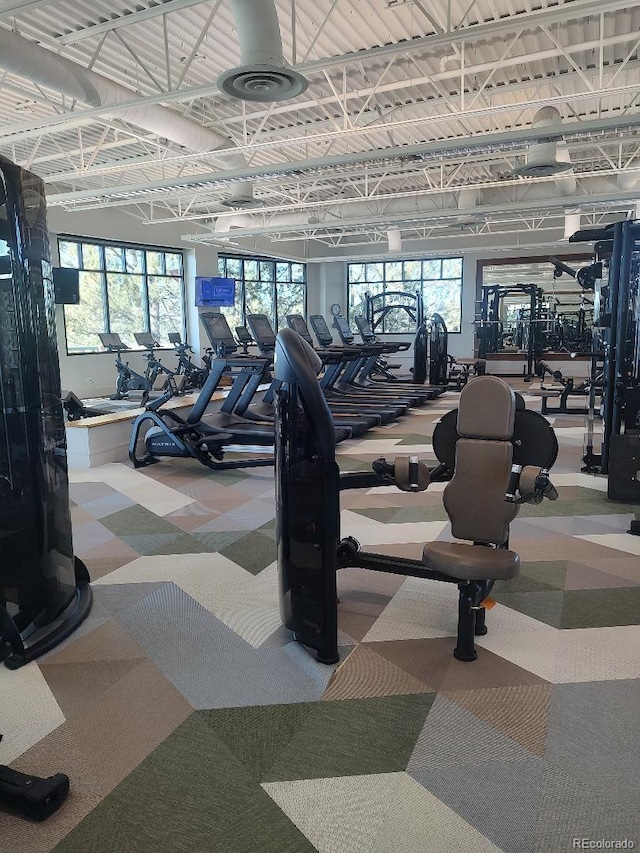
(260, 259)
(408, 285)
(102, 245)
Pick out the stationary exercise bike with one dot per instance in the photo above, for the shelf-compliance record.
(127, 379)
(497, 456)
(155, 368)
(195, 376)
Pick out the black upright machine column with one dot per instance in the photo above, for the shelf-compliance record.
(44, 589)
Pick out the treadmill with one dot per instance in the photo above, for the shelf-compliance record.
(368, 354)
(344, 416)
(240, 400)
(368, 336)
(364, 378)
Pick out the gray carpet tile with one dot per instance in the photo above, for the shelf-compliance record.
(452, 736)
(500, 799)
(571, 807)
(209, 663)
(594, 735)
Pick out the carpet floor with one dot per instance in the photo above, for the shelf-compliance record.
(189, 722)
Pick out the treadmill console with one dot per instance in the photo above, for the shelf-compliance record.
(322, 332)
(243, 335)
(366, 332)
(297, 323)
(342, 325)
(219, 333)
(262, 332)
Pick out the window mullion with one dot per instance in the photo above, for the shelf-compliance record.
(145, 290)
(105, 286)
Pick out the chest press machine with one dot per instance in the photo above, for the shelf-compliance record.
(498, 457)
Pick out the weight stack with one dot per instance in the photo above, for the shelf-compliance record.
(624, 468)
(44, 589)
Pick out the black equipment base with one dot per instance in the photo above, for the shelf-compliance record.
(31, 796)
(24, 644)
(624, 465)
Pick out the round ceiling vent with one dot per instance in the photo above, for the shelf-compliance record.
(542, 170)
(262, 83)
(242, 202)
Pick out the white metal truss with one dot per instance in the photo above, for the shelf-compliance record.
(447, 105)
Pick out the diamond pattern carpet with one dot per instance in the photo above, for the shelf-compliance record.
(190, 722)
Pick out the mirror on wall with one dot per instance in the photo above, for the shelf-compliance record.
(533, 306)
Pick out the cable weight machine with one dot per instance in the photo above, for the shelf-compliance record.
(616, 351)
(527, 333)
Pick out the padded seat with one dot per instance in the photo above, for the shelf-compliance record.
(471, 562)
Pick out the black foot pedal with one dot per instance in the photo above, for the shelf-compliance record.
(33, 797)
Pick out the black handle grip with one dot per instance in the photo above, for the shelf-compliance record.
(383, 468)
(546, 487)
(514, 480)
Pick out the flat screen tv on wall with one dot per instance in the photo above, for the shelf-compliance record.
(215, 292)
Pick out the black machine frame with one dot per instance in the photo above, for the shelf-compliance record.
(616, 352)
(308, 485)
(489, 323)
(377, 309)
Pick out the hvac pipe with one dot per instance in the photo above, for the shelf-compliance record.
(28, 60)
(263, 74)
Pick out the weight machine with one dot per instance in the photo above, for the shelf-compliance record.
(44, 589)
(527, 333)
(616, 354)
(444, 369)
(496, 457)
(378, 307)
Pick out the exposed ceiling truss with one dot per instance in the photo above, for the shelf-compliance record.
(406, 102)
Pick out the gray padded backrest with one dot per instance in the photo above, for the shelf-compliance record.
(487, 409)
(475, 497)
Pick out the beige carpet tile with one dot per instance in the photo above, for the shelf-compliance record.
(364, 673)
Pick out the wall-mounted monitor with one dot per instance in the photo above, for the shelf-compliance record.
(66, 285)
(215, 292)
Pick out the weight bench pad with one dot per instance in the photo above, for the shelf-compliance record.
(471, 562)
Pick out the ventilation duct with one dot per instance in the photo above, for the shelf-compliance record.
(228, 222)
(546, 158)
(394, 237)
(242, 197)
(263, 74)
(32, 62)
(471, 203)
(572, 223)
(468, 198)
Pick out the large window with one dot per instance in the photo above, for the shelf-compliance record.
(439, 280)
(123, 289)
(263, 286)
